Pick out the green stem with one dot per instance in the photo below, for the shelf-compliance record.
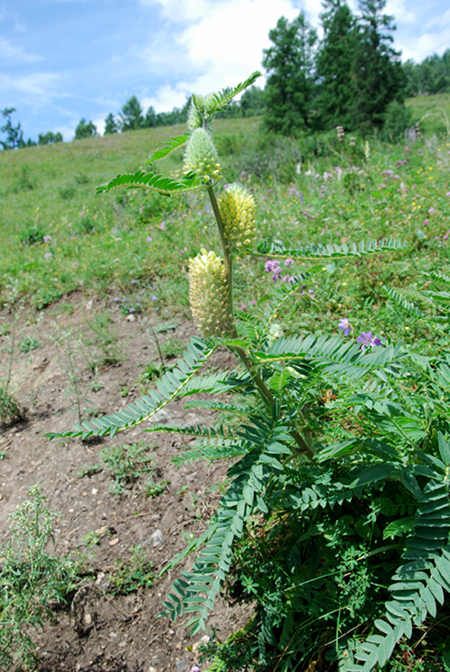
(259, 382)
(226, 253)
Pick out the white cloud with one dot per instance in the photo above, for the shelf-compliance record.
(220, 44)
(15, 53)
(100, 123)
(41, 84)
(400, 12)
(418, 48)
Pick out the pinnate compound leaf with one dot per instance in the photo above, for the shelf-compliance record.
(332, 251)
(154, 181)
(171, 146)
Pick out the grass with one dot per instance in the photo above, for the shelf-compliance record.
(438, 109)
(132, 248)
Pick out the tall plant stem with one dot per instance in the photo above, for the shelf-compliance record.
(226, 253)
(259, 382)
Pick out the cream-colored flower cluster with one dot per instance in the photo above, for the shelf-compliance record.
(208, 294)
(201, 155)
(238, 212)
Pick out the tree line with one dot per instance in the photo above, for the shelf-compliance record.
(351, 77)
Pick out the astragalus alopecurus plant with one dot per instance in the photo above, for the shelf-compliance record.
(339, 476)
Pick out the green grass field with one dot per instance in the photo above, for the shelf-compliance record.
(132, 247)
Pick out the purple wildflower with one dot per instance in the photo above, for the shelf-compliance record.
(149, 239)
(154, 298)
(432, 211)
(47, 239)
(131, 310)
(448, 193)
(425, 223)
(133, 282)
(162, 226)
(195, 668)
(243, 307)
(273, 266)
(288, 262)
(367, 339)
(344, 325)
(117, 299)
(253, 302)
(48, 255)
(75, 265)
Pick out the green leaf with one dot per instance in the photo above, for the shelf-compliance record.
(444, 449)
(154, 181)
(220, 99)
(332, 251)
(171, 146)
(398, 528)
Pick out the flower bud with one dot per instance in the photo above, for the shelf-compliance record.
(238, 212)
(201, 155)
(208, 294)
(195, 118)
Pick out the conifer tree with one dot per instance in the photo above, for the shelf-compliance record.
(85, 129)
(14, 134)
(111, 125)
(335, 66)
(378, 75)
(290, 84)
(132, 115)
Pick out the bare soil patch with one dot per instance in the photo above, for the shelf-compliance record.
(99, 630)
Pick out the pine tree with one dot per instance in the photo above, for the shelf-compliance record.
(335, 66)
(132, 115)
(14, 134)
(49, 138)
(290, 84)
(150, 118)
(378, 75)
(111, 125)
(85, 129)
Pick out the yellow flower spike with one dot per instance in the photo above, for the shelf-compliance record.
(208, 294)
(201, 155)
(238, 212)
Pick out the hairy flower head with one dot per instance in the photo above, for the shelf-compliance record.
(201, 155)
(238, 212)
(195, 117)
(208, 294)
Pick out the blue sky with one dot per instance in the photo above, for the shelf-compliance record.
(61, 60)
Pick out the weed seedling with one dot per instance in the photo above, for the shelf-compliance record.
(126, 463)
(133, 574)
(89, 470)
(153, 489)
(29, 344)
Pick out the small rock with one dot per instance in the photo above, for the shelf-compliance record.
(130, 318)
(155, 539)
(113, 542)
(152, 669)
(89, 305)
(181, 666)
(87, 619)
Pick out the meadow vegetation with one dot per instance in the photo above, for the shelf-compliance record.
(317, 193)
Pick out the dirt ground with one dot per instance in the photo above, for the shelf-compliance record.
(98, 630)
